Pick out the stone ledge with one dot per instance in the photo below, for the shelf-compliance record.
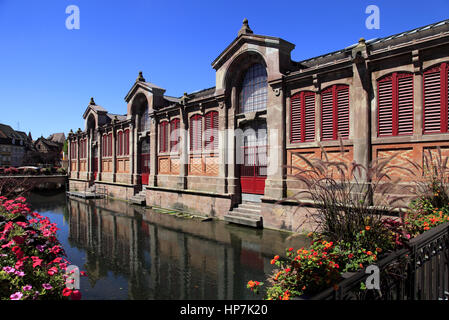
(188, 191)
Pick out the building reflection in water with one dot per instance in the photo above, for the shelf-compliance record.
(166, 257)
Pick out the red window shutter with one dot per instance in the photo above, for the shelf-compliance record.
(327, 118)
(110, 145)
(195, 132)
(174, 135)
(405, 104)
(211, 130)
(432, 100)
(385, 107)
(342, 111)
(126, 142)
(295, 116)
(309, 116)
(447, 95)
(215, 130)
(163, 132)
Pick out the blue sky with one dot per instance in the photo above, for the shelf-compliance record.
(48, 73)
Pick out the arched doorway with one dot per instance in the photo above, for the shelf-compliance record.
(140, 112)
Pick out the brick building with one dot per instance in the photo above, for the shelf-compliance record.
(226, 149)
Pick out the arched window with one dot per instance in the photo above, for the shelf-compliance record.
(395, 105)
(436, 99)
(145, 120)
(253, 96)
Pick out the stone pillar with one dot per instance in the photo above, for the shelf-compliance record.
(222, 148)
(77, 156)
(153, 152)
(89, 154)
(135, 153)
(100, 158)
(132, 164)
(69, 160)
(114, 154)
(232, 177)
(360, 108)
(184, 150)
(418, 124)
(275, 183)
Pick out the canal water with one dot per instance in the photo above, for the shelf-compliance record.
(131, 252)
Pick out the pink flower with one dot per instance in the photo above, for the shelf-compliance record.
(76, 295)
(47, 286)
(36, 261)
(52, 271)
(16, 296)
(27, 288)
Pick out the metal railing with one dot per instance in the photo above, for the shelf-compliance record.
(419, 272)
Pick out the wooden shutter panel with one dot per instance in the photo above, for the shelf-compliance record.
(126, 142)
(195, 133)
(432, 101)
(215, 130)
(163, 141)
(327, 121)
(385, 107)
(405, 104)
(343, 111)
(295, 124)
(309, 116)
(174, 135)
(211, 130)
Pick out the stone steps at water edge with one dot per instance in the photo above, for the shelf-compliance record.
(245, 214)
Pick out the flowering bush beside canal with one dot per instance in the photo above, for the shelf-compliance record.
(32, 261)
(352, 235)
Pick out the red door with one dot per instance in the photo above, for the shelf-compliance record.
(145, 167)
(95, 167)
(253, 170)
(145, 161)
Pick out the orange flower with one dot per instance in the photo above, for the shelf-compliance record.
(379, 250)
(367, 228)
(361, 265)
(369, 253)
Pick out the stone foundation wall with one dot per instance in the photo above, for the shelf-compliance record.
(201, 204)
(290, 217)
(124, 192)
(78, 185)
